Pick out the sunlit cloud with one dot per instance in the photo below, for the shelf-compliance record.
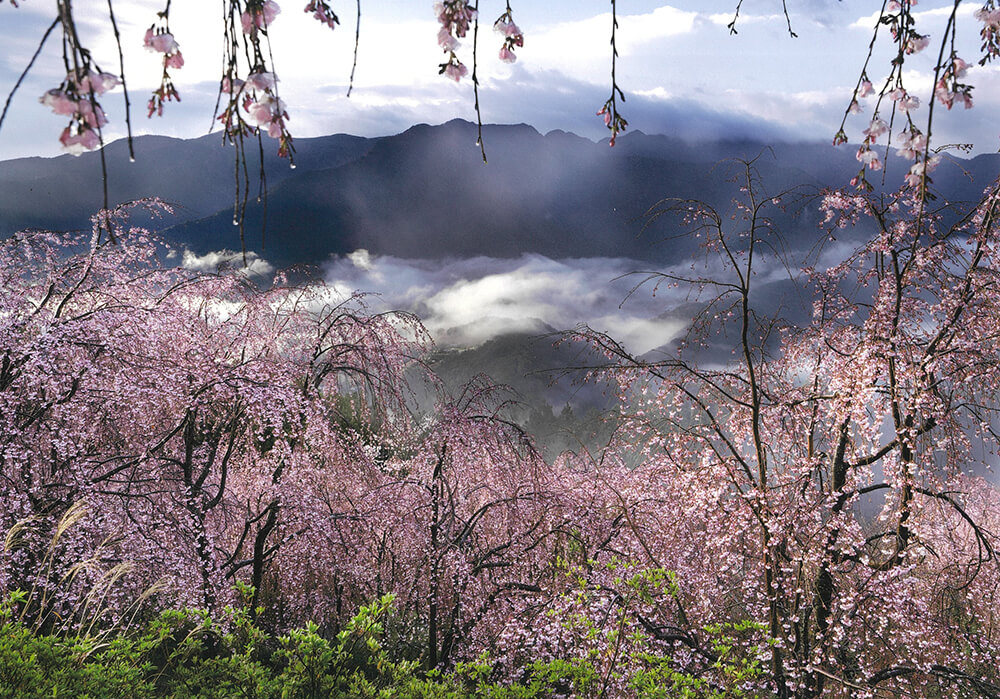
(726, 18)
(580, 48)
(227, 259)
(467, 302)
(869, 21)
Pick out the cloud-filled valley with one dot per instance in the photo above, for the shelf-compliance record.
(465, 302)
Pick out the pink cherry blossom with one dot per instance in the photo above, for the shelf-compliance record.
(76, 144)
(869, 158)
(909, 103)
(918, 171)
(507, 28)
(262, 80)
(607, 116)
(174, 60)
(865, 88)
(943, 94)
(98, 82)
(259, 17)
(323, 13)
(455, 16)
(916, 43)
(875, 130)
(911, 144)
(269, 113)
(456, 71)
(91, 113)
(162, 42)
(232, 86)
(59, 102)
(991, 18)
(513, 37)
(446, 41)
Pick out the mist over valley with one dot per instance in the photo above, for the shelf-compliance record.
(495, 259)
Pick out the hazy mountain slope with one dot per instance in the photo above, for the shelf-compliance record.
(425, 193)
(195, 175)
(545, 394)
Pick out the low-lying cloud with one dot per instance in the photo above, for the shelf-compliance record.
(465, 302)
(249, 263)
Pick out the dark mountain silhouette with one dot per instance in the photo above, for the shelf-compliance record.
(195, 175)
(426, 193)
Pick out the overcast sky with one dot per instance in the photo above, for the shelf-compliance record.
(683, 72)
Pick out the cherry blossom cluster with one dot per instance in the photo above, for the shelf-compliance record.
(948, 89)
(917, 176)
(257, 95)
(322, 12)
(912, 142)
(259, 15)
(455, 17)
(873, 382)
(76, 98)
(989, 16)
(843, 209)
(615, 122)
(905, 102)
(253, 103)
(513, 37)
(159, 39)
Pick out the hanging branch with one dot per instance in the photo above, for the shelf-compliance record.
(121, 76)
(475, 82)
(24, 73)
(612, 119)
(357, 42)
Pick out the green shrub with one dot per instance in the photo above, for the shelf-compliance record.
(186, 654)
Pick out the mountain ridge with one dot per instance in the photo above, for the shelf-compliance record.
(425, 192)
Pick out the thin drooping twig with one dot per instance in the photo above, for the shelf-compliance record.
(121, 68)
(788, 19)
(475, 83)
(24, 74)
(615, 122)
(357, 42)
(732, 25)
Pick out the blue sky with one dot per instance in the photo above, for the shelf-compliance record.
(683, 73)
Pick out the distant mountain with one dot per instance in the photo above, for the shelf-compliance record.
(426, 193)
(194, 175)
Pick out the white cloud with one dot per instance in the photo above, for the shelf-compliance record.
(226, 259)
(724, 19)
(656, 93)
(867, 22)
(361, 259)
(466, 302)
(580, 48)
